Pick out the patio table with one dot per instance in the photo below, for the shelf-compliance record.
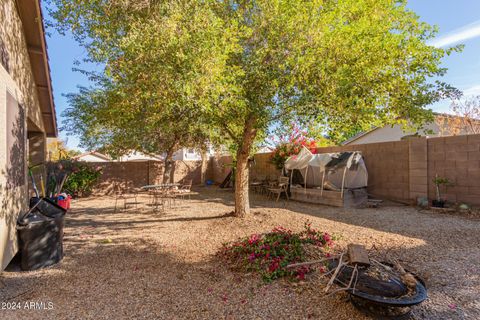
(162, 192)
(160, 186)
(257, 186)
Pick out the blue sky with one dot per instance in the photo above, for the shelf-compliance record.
(458, 20)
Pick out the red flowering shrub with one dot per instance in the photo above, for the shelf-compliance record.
(292, 145)
(269, 254)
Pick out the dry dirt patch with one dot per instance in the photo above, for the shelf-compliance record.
(141, 264)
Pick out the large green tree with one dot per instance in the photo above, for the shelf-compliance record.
(114, 125)
(348, 64)
(157, 70)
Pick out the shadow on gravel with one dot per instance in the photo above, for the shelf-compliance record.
(109, 271)
(447, 261)
(132, 278)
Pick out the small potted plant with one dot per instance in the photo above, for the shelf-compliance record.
(438, 181)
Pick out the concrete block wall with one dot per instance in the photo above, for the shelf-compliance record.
(219, 168)
(187, 170)
(121, 175)
(135, 174)
(400, 170)
(387, 165)
(263, 168)
(457, 159)
(418, 167)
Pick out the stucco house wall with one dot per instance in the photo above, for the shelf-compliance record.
(22, 120)
(190, 154)
(187, 155)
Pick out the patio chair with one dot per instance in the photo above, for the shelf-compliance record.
(270, 183)
(159, 199)
(257, 184)
(171, 194)
(281, 187)
(125, 195)
(185, 190)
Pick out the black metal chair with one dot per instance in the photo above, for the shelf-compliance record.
(125, 195)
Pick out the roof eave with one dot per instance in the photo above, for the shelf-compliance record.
(31, 15)
(358, 136)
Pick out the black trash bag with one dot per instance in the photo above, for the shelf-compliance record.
(33, 202)
(50, 209)
(41, 235)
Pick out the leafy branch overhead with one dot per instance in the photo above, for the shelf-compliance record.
(148, 96)
(231, 70)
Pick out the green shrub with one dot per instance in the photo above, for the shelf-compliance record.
(82, 178)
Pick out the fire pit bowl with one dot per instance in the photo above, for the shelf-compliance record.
(418, 297)
(379, 289)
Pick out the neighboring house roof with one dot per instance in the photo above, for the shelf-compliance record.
(140, 156)
(264, 149)
(438, 116)
(358, 136)
(132, 156)
(93, 153)
(32, 20)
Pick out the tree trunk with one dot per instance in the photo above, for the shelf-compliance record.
(204, 167)
(242, 202)
(167, 172)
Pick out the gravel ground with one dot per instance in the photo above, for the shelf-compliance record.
(144, 265)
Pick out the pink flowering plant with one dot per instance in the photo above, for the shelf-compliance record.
(269, 254)
(287, 145)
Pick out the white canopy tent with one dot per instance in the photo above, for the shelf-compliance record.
(344, 170)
